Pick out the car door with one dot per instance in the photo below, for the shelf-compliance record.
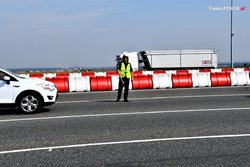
(6, 90)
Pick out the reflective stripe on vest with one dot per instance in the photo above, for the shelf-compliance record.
(125, 72)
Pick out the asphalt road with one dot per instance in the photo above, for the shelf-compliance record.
(175, 127)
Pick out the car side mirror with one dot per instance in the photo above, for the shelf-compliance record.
(7, 79)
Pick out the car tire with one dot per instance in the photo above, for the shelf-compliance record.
(30, 103)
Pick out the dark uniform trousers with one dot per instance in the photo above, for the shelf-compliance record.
(123, 82)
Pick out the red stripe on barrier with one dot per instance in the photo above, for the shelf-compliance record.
(182, 81)
(181, 72)
(220, 79)
(159, 72)
(142, 82)
(227, 70)
(100, 83)
(205, 70)
(111, 73)
(247, 69)
(62, 75)
(36, 75)
(88, 74)
(61, 83)
(137, 73)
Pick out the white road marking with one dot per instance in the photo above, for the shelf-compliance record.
(123, 142)
(150, 90)
(153, 98)
(122, 114)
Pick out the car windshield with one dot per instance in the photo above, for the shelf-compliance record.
(13, 74)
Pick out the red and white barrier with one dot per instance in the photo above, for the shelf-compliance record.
(220, 79)
(142, 82)
(201, 80)
(49, 75)
(100, 84)
(79, 84)
(182, 80)
(159, 79)
(62, 84)
(115, 83)
(162, 81)
(240, 78)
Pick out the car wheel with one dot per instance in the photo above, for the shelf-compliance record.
(30, 103)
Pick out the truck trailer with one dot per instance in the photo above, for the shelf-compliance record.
(172, 59)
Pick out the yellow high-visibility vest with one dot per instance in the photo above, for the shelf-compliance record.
(125, 72)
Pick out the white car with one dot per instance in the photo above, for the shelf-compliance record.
(29, 95)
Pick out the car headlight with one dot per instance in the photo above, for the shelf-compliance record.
(48, 87)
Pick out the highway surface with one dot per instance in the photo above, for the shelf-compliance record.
(175, 127)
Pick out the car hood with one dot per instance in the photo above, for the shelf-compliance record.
(35, 81)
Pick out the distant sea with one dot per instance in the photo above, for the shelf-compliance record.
(71, 69)
(54, 69)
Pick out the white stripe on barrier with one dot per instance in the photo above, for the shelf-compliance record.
(240, 78)
(171, 72)
(216, 70)
(193, 71)
(162, 81)
(49, 75)
(79, 84)
(115, 83)
(100, 74)
(147, 72)
(239, 70)
(201, 80)
(75, 74)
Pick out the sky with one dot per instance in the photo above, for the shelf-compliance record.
(90, 33)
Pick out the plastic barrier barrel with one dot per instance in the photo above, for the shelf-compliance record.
(193, 71)
(161, 81)
(100, 74)
(88, 74)
(137, 73)
(115, 83)
(239, 70)
(159, 72)
(182, 81)
(79, 84)
(75, 74)
(201, 80)
(142, 82)
(147, 72)
(220, 79)
(62, 84)
(111, 73)
(216, 70)
(180, 72)
(36, 75)
(247, 69)
(205, 70)
(171, 72)
(227, 70)
(240, 78)
(100, 83)
(62, 75)
(49, 75)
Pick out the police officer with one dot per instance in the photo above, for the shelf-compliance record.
(125, 74)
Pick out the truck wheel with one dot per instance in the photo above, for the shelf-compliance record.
(30, 103)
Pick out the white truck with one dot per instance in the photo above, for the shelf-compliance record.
(172, 59)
